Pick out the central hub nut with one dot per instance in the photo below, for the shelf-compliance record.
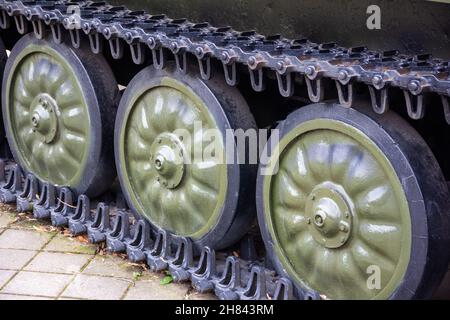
(44, 118)
(319, 218)
(166, 155)
(329, 208)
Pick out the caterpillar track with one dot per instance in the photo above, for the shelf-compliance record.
(103, 46)
(228, 276)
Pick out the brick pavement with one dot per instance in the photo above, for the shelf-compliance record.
(40, 262)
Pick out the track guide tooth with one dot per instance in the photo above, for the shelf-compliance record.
(179, 266)
(100, 226)
(115, 240)
(256, 285)
(64, 209)
(205, 272)
(82, 216)
(227, 285)
(26, 198)
(158, 256)
(284, 290)
(13, 186)
(46, 200)
(140, 242)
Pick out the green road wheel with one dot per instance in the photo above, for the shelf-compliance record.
(342, 208)
(58, 109)
(161, 143)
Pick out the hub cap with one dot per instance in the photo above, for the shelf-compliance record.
(47, 115)
(337, 211)
(167, 178)
(43, 117)
(330, 215)
(168, 160)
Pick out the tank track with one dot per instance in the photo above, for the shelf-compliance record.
(290, 61)
(225, 274)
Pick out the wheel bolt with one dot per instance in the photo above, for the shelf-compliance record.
(224, 56)
(252, 61)
(199, 51)
(310, 70)
(280, 66)
(343, 75)
(377, 80)
(343, 228)
(151, 41)
(414, 86)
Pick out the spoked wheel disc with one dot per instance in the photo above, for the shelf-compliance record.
(167, 170)
(356, 206)
(58, 112)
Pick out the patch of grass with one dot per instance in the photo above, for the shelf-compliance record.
(168, 279)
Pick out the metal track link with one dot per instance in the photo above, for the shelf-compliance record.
(291, 61)
(229, 277)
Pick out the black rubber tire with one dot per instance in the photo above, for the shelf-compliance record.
(3, 59)
(230, 111)
(97, 80)
(423, 183)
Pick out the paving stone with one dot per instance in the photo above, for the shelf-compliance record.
(5, 219)
(58, 262)
(5, 275)
(23, 239)
(37, 283)
(111, 266)
(153, 290)
(20, 297)
(96, 288)
(14, 259)
(61, 243)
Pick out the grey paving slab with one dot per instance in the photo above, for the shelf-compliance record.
(61, 243)
(153, 290)
(5, 276)
(96, 288)
(111, 266)
(23, 239)
(14, 259)
(58, 262)
(5, 219)
(37, 283)
(21, 297)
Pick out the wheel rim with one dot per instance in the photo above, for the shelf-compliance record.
(156, 149)
(47, 115)
(337, 210)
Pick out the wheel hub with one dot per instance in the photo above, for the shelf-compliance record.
(44, 118)
(166, 156)
(329, 212)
